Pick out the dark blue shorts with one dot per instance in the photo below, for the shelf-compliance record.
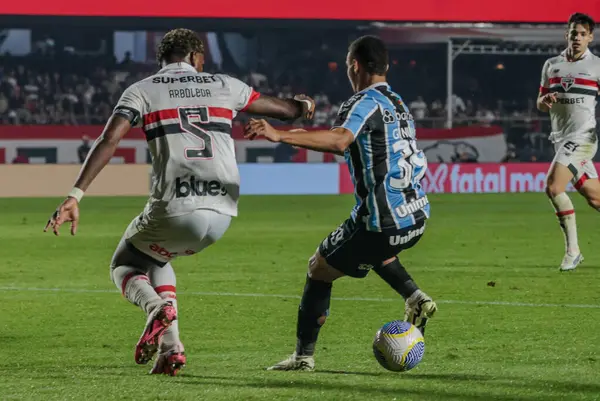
(354, 251)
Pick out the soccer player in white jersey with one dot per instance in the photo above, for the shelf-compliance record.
(568, 91)
(186, 115)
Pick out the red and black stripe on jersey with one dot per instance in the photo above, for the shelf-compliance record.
(570, 85)
(165, 122)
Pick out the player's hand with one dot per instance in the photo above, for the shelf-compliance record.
(66, 211)
(549, 99)
(308, 106)
(256, 128)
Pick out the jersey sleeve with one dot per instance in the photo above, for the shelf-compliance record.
(242, 95)
(355, 113)
(131, 106)
(545, 81)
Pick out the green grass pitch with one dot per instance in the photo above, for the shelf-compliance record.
(67, 334)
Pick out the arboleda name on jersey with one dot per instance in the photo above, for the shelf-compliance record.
(189, 92)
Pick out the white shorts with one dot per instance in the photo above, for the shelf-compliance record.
(160, 240)
(577, 157)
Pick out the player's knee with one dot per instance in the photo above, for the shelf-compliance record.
(314, 266)
(388, 261)
(594, 202)
(318, 269)
(553, 189)
(112, 273)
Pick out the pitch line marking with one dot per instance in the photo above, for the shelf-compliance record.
(280, 296)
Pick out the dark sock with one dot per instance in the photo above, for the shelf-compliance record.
(314, 308)
(397, 277)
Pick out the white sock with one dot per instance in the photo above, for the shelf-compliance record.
(163, 280)
(566, 217)
(135, 286)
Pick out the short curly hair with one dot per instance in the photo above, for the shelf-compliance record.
(177, 44)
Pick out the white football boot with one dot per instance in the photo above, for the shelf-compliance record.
(570, 262)
(295, 362)
(418, 309)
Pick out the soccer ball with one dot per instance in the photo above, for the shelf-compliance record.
(398, 346)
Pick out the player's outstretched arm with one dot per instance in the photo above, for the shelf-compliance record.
(103, 150)
(283, 109)
(98, 157)
(335, 141)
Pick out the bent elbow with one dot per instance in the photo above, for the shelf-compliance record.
(340, 146)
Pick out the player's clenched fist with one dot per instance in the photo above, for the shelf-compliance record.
(308, 106)
(66, 211)
(549, 99)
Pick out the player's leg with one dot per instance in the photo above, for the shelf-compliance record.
(187, 235)
(171, 353)
(419, 306)
(560, 174)
(129, 272)
(590, 189)
(586, 181)
(338, 255)
(312, 313)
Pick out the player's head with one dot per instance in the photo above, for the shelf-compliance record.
(181, 45)
(580, 32)
(367, 58)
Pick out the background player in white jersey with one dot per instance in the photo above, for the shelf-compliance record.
(568, 91)
(186, 115)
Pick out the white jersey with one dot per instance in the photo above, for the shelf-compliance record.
(187, 119)
(573, 116)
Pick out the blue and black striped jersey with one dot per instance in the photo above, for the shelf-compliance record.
(384, 162)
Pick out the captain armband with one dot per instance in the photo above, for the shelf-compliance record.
(128, 113)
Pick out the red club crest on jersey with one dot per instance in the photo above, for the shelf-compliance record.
(566, 83)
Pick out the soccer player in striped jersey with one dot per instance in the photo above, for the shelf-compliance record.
(376, 133)
(568, 91)
(186, 115)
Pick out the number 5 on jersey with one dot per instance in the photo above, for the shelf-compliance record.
(190, 120)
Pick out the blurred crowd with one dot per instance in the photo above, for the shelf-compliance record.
(75, 90)
(66, 88)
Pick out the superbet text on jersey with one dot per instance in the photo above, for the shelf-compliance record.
(187, 119)
(573, 116)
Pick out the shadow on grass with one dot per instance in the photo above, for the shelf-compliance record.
(550, 389)
(345, 372)
(368, 390)
(555, 389)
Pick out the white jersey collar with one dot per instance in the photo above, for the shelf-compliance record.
(177, 66)
(585, 55)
